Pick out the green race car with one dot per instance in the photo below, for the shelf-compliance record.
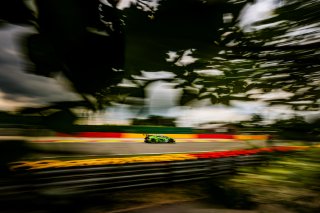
(158, 139)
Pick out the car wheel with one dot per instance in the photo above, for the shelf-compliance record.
(171, 141)
(152, 140)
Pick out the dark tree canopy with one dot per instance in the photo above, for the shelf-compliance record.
(97, 45)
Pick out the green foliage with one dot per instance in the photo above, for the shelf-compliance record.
(218, 190)
(256, 118)
(290, 180)
(284, 54)
(268, 59)
(277, 54)
(155, 121)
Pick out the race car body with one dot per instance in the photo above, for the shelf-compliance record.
(158, 139)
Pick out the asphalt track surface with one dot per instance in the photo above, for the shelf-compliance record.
(137, 148)
(53, 147)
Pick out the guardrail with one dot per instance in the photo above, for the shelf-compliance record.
(99, 179)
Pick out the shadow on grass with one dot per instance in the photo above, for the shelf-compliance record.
(219, 192)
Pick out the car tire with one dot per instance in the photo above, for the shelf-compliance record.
(152, 140)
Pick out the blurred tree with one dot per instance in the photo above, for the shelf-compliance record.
(297, 123)
(280, 54)
(200, 42)
(16, 12)
(256, 119)
(226, 62)
(81, 38)
(155, 120)
(316, 127)
(58, 116)
(296, 128)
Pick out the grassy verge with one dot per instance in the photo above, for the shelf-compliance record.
(291, 180)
